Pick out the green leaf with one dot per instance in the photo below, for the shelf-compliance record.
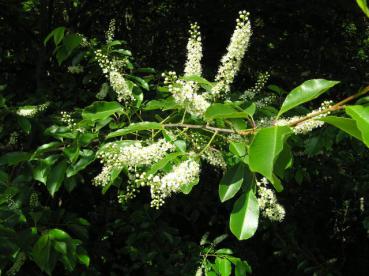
(135, 127)
(83, 256)
(363, 6)
(14, 158)
(238, 148)
(101, 110)
(141, 82)
(71, 41)
(231, 182)
(307, 91)
(224, 251)
(187, 188)
(224, 111)
(41, 171)
(46, 148)
(58, 234)
(180, 145)
(163, 162)
(60, 132)
(345, 124)
(113, 175)
(245, 216)
(57, 33)
(72, 152)
(54, 245)
(24, 124)
(43, 254)
(223, 266)
(361, 115)
(283, 162)
(70, 183)
(197, 79)
(56, 177)
(163, 104)
(86, 158)
(264, 150)
(242, 268)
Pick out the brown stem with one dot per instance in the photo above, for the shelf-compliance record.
(337, 106)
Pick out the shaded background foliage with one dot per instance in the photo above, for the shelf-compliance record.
(325, 231)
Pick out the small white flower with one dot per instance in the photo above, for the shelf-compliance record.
(268, 204)
(231, 61)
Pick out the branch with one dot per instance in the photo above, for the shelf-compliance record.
(338, 106)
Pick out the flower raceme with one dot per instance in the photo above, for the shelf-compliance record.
(185, 93)
(231, 61)
(194, 52)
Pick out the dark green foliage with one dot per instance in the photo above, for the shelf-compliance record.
(50, 211)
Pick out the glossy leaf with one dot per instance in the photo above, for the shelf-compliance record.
(231, 182)
(163, 162)
(363, 6)
(163, 104)
(223, 266)
(187, 188)
(86, 158)
(56, 177)
(305, 92)
(224, 111)
(238, 148)
(245, 216)
(135, 127)
(44, 255)
(101, 110)
(345, 124)
(361, 116)
(264, 150)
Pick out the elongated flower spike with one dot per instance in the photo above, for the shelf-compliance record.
(231, 61)
(194, 52)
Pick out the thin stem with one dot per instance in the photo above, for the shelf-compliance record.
(337, 106)
(206, 127)
(209, 143)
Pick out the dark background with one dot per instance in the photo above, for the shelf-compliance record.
(325, 230)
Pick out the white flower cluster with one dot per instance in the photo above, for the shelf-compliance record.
(265, 101)
(117, 156)
(162, 187)
(250, 94)
(264, 122)
(104, 62)
(231, 61)
(84, 41)
(308, 125)
(184, 94)
(120, 86)
(214, 157)
(77, 69)
(268, 204)
(66, 118)
(31, 111)
(117, 81)
(194, 52)
(109, 35)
